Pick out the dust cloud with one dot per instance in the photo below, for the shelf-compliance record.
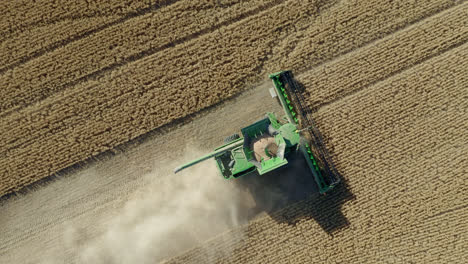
(173, 214)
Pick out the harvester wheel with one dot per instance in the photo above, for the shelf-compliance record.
(231, 138)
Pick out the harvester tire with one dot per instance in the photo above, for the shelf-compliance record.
(231, 138)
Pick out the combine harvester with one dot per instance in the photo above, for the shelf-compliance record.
(266, 144)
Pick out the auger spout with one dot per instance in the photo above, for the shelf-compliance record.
(217, 152)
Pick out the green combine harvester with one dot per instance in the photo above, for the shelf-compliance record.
(265, 145)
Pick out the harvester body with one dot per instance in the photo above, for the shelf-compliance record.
(239, 157)
(266, 144)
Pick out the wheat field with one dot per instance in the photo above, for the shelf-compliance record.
(386, 80)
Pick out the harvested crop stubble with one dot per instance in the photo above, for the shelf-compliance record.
(153, 86)
(402, 146)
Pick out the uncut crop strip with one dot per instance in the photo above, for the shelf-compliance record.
(114, 46)
(386, 57)
(68, 68)
(400, 146)
(28, 45)
(20, 16)
(336, 32)
(139, 96)
(32, 29)
(23, 15)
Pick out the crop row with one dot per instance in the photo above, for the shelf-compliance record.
(112, 47)
(24, 15)
(386, 57)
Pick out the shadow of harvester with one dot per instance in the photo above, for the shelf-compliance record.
(290, 194)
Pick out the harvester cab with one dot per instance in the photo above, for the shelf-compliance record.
(266, 144)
